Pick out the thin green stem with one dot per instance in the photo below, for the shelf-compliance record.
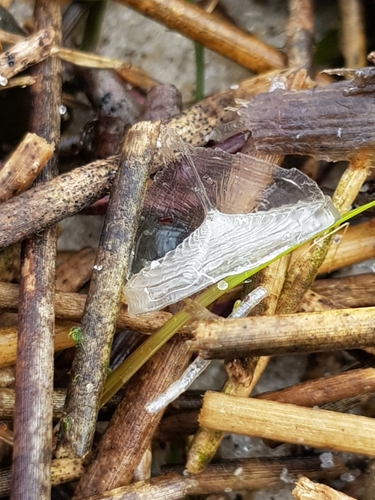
(140, 356)
(93, 25)
(200, 71)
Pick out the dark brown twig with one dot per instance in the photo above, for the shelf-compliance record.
(31, 473)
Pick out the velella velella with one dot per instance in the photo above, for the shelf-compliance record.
(230, 213)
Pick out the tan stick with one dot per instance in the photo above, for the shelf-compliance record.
(29, 51)
(31, 472)
(289, 423)
(355, 245)
(70, 306)
(8, 342)
(353, 37)
(214, 33)
(307, 490)
(250, 474)
(350, 291)
(300, 32)
(62, 471)
(326, 390)
(289, 333)
(23, 166)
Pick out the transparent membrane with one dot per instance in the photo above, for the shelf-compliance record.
(240, 212)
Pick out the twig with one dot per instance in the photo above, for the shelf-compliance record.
(44, 205)
(34, 382)
(62, 471)
(70, 306)
(326, 390)
(234, 475)
(275, 335)
(214, 33)
(31, 50)
(300, 32)
(333, 125)
(103, 301)
(353, 37)
(307, 490)
(8, 341)
(289, 423)
(132, 427)
(314, 302)
(23, 166)
(350, 291)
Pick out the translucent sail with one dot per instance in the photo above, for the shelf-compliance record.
(288, 209)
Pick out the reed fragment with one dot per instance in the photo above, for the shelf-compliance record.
(62, 471)
(25, 53)
(234, 475)
(70, 306)
(287, 333)
(350, 291)
(212, 32)
(307, 490)
(353, 36)
(23, 166)
(289, 423)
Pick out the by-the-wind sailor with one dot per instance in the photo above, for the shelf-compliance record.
(242, 212)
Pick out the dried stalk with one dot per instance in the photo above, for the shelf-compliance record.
(29, 51)
(212, 32)
(59, 396)
(70, 306)
(44, 205)
(353, 37)
(289, 333)
(307, 490)
(350, 291)
(333, 125)
(300, 33)
(314, 302)
(326, 390)
(350, 246)
(132, 427)
(8, 342)
(31, 472)
(23, 166)
(103, 300)
(62, 471)
(251, 474)
(289, 423)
